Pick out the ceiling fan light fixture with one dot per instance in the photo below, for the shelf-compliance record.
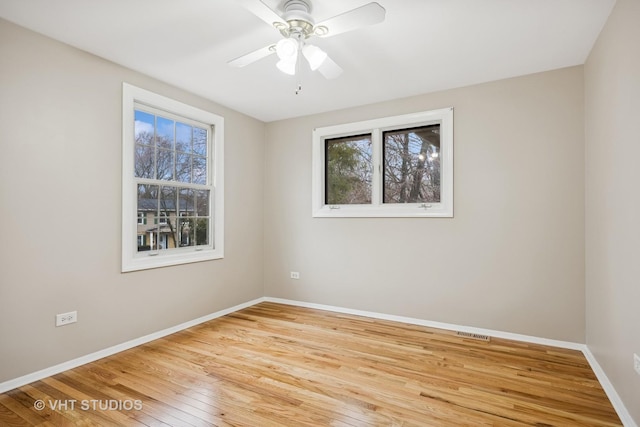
(287, 49)
(314, 55)
(287, 66)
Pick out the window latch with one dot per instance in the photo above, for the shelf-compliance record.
(424, 206)
(333, 207)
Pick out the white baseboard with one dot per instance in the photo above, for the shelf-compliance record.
(47, 372)
(613, 396)
(430, 324)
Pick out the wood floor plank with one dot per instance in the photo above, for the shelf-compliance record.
(279, 365)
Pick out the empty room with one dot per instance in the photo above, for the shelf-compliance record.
(320, 213)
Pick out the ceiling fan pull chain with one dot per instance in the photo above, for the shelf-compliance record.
(298, 74)
(299, 84)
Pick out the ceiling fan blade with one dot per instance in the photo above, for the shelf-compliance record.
(329, 69)
(369, 14)
(251, 57)
(262, 11)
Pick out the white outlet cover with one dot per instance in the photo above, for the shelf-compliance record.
(66, 318)
(636, 363)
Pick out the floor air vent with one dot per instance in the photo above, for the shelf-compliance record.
(485, 338)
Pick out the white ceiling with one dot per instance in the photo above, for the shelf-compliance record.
(422, 46)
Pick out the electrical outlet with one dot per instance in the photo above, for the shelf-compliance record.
(636, 363)
(295, 275)
(66, 318)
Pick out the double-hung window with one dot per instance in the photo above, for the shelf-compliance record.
(172, 191)
(399, 166)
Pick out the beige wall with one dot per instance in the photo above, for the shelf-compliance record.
(612, 118)
(511, 259)
(60, 210)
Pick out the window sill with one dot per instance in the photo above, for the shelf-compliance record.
(435, 210)
(158, 259)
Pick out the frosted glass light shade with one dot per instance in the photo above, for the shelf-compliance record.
(314, 55)
(287, 49)
(287, 66)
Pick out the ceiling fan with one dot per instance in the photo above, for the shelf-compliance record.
(297, 26)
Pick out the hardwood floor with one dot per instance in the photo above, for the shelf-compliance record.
(279, 365)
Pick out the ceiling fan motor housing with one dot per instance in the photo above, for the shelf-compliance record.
(297, 10)
(297, 13)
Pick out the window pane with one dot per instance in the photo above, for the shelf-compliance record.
(199, 170)
(186, 231)
(183, 167)
(186, 202)
(412, 165)
(164, 163)
(167, 221)
(164, 133)
(183, 137)
(202, 202)
(147, 206)
(348, 170)
(200, 141)
(144, 127)
(144, 161)
(201, 232)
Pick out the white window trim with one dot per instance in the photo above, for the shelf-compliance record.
(131, 259)
(376, 126)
